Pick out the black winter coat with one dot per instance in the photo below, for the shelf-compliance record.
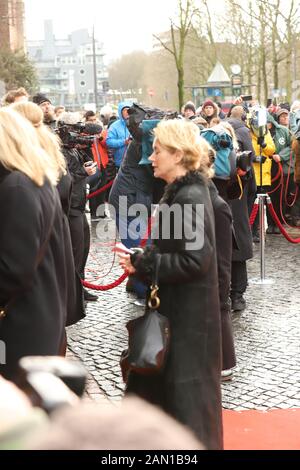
(189, 387)
(75, 161)
(133, 180)
(224, 234)
(37, 284)
(239, 208)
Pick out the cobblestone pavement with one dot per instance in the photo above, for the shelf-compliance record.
(267, 333)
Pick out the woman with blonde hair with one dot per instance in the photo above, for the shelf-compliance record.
(51, 144)
(35, 255)
(189, 386)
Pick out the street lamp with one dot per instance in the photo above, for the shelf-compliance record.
(236, 79)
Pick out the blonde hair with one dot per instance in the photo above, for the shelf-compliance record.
(48, 141)
(12, 95)
(228, 127)
(214, 122)
(20, 149)
(184, 136)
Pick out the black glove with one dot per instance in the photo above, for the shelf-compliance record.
(260, 158)
(261, 142)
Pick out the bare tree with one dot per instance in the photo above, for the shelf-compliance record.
(291, 21)
(207, 19)
(176, 44)
(241, 32)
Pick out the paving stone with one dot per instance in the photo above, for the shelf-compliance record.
(267, 333)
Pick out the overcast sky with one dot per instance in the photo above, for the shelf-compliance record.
(122, 25)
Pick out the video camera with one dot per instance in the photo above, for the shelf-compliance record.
(73, 135)
(243, 160)
(51, 382)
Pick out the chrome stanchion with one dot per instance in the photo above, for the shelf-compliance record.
(262, 198)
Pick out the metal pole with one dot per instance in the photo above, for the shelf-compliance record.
(95, 70)
(262, 236)
(262, 281)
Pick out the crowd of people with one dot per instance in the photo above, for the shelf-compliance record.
(49, 157)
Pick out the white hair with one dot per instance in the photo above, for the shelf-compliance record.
(106, 111)
(70, 118)
(295, 106)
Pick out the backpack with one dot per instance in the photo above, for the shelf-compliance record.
(221, 142)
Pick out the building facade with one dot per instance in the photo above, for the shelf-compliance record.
(12, 25)
(66, 68)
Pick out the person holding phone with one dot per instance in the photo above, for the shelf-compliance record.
(189, 386)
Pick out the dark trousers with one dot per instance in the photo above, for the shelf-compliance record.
(96, 182)
(131, 240)
(80, 237)
(251, 191)
(239, 278)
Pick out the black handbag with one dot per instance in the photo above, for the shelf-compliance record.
(148, 337)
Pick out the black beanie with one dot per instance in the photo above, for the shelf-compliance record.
(191, 107)
(39, 98)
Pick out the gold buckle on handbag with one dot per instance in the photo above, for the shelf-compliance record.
(154, 300)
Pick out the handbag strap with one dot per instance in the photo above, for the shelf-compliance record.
(154, 300)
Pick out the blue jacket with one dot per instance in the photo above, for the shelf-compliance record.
(117, 134)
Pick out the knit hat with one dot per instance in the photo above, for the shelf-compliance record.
(208, 103)
(190, 106)
(281, 111)
(39, 98)
(285, 106)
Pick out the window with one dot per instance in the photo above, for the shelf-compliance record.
(82, 83)
(82, 71)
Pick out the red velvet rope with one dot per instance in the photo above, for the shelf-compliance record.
(279, 225)
(101, 190)
(108, 287)
(124, 276)
(253, 214)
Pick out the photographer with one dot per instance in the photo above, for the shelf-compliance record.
(80, 168)
(118, 136)
(239, 208)
(264, 148)
(96, 150)
(296, 149)
(282, 141)
(48, 109)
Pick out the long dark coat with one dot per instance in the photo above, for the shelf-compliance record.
(189, 387)
(239, 207)
(36, 276)
(133, 180)
(224, 234)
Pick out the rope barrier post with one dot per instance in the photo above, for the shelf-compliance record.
(262, 198)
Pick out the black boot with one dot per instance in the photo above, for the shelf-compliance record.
(89, 297)
(238, 303)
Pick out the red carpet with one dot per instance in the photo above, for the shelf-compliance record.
(258, 430)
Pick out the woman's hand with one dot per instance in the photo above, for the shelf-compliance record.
(125, 263)
(276, 158)
(241, 172)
